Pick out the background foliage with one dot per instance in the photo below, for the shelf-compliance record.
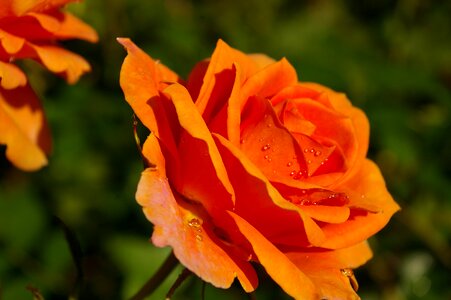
(392, 58)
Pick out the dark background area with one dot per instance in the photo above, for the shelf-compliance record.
(392, 59)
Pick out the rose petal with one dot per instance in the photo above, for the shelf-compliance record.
(23, 128)
(191, 237)
(323, 268)
(297, 91)
(141, 80)
(287, 275)
(268, 81)
(261, 60)
(200, 160)
(221, 62)
(328, 214)
(317, 258)
(278, 219)
(360, 126)
(362, 224)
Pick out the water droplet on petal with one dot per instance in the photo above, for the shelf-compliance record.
(292, 173)
(194, 223)
(312, 150)
(309, 161)
(298, 175)
(305, 150)
(199, 237)
(317, 153)
(266, 147)
(289, 164)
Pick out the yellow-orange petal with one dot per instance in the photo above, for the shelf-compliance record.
(61, 61)
(11, 76)
(283, 271)
(141, 80)
(11, 43)
(369, 183)
(21, 7)
(23, 128)
(191, 235)
(324, 267)
(67, 26)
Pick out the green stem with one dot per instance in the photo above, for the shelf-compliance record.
(150, 286)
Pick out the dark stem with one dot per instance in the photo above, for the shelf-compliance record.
(150, 286)
(202, 291)
(182, 277)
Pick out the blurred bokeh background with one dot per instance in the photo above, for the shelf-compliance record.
(392, 59)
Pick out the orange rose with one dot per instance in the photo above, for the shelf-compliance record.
(29, 29)
(246, 164)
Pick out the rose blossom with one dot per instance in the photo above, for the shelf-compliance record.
(247, 164)
(30, 29)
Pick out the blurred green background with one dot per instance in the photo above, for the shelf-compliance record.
(392, 59)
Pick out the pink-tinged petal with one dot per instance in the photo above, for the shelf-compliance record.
(11, 77)
(61, 61)
(278, 219)
(200, 161)
(142, 79)
(23, 128)
(153, 154)
(362, 224)
(190, 234)
(283, 271)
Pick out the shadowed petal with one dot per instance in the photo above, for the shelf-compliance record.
(199, 157)
(287, 275)
(23, 128)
